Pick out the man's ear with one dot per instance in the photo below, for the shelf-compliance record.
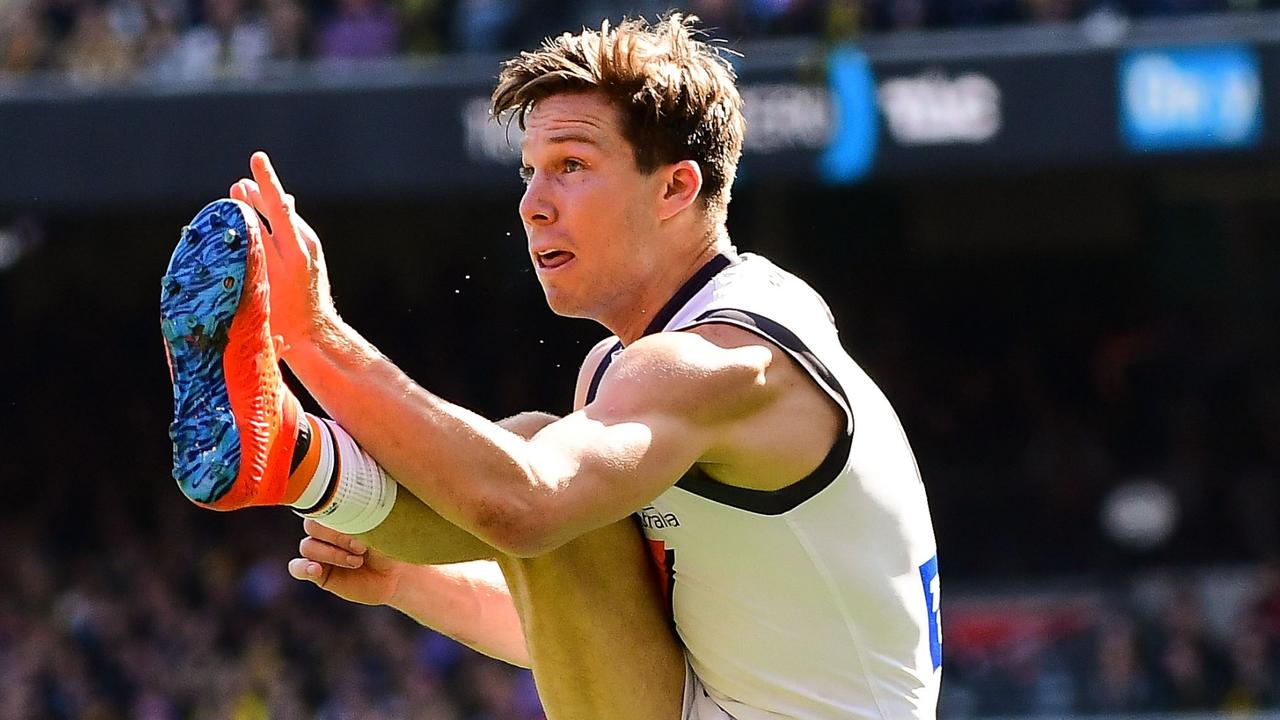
(683, 182)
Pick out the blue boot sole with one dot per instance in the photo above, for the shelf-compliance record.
(199, 295)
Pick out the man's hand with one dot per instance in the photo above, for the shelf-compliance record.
(300, 296)
(346, 567)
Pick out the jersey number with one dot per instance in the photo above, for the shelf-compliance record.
(932, 600)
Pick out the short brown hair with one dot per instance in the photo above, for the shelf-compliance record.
(676, 93)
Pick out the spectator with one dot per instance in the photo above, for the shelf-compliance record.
(289, 28)
(1187, 675)
(890, 15)
(421, 26)
(1178, 7)
(158, 38)
(60, 16)
(844, 19)
(1252, 686)
(482, 25)
(1050, 11)
(95, 53)
(226, 45)
(359, 29)
(784, 17)
(722, 17)
(974, 13)
(1119, 681)
(1190, 668)
(26, 43)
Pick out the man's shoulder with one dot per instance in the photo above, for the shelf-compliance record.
(703, 373)
(592, 367)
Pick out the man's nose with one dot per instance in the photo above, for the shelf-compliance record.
(536, 208)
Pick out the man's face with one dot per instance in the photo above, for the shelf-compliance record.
(588, 212)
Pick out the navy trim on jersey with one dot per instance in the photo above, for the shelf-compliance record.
(771, 502)
(696, 481)
(687, 291)
(599, 374)
(784, 338)
(668, 311)
(776, 502)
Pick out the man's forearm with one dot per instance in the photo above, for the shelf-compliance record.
(469, 602)
(415, 533)
(464, 467)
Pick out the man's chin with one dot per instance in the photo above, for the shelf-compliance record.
(564, 306)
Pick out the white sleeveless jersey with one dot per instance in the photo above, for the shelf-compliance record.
(818, 601)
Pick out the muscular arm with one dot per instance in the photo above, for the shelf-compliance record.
(415, 533)
(668, 401)
(469, 602)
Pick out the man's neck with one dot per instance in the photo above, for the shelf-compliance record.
(633, 320)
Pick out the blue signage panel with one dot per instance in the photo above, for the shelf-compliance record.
(852, 149)
(1190, 98)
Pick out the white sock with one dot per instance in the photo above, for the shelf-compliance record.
(364, 494)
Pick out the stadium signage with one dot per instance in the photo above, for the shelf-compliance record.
(850, 155)
(786, 116)
(1190, 98)
(780, 117)
(934, 108)
(890, 108)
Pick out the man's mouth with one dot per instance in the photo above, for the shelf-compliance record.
(552, 259)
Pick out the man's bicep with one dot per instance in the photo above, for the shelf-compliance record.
(661, 405)
(527, 424)
(416, 533)
(595, 470)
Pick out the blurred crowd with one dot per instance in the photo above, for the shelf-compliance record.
(95, 41)
(196, 618)
(135, 605)
(1104, 653)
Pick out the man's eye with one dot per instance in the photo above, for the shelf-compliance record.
(572, 165)
(526, 174)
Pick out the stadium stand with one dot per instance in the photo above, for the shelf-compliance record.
(117, 40)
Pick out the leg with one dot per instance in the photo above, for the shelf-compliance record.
(415, 533)
(596, 625)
